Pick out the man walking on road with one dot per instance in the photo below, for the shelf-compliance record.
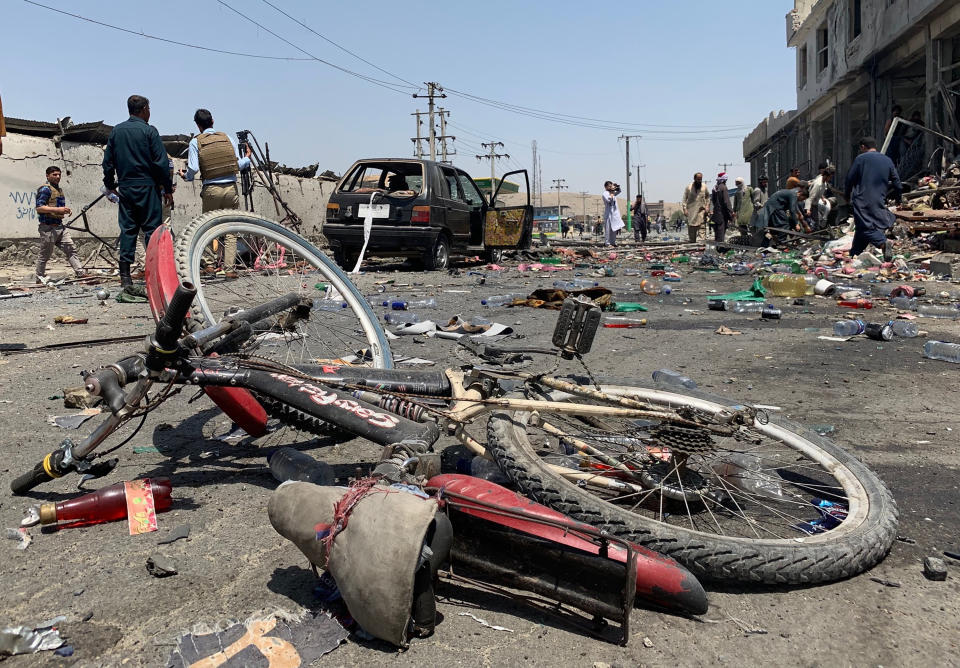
(612, 220)
(136, 161)
(872, 175)
(695, 205)
(639, 220)
(722, 211)
(51, 210)
(213, 155)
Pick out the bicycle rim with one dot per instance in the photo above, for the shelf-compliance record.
(272, 261)
(769, 503)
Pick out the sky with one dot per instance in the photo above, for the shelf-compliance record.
(690, 78)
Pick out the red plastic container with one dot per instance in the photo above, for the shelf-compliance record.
(856, 303)
(107, 504)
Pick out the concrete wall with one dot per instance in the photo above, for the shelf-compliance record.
(25, 159)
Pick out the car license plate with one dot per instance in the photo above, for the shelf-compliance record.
(375, 211)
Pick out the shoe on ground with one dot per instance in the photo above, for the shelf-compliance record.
(230, 275)
(888, 251)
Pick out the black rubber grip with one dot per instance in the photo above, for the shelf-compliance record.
(171, 324)
(29, 480)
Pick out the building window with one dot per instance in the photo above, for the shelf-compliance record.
(802, 67)
(855, 23)
(823, 53)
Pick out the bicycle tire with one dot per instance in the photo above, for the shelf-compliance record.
(215, 296)
(868, 531)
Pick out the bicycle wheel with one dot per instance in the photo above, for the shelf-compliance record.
(271, 261)
(769, 502)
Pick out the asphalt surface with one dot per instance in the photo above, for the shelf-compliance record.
(889, 405)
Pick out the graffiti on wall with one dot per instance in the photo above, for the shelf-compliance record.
(24, 203)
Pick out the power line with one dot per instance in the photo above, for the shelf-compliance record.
(164, 39)
(342, 48)
(385, 84)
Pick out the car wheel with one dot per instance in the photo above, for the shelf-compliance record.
(439, 258)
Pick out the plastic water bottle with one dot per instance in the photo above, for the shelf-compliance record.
(398, 305)
(941, 350)
(904, 328)
(747, 307)
(481, 467)
(719, 304)
(739, 269)
(934, 311)
(651, 287)
(575, 284)
(669, 377)
(631, 272)
(745, 472)
(113, 197)
(328, 305)
(904, 303)
(501, 300)
(848, 328)
(289, 464)
(401, 317)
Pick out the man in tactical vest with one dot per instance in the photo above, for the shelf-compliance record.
(52, 207)
(136, 161)
(214, 156)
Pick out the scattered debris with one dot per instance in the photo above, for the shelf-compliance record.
(647, 642)
(69, 320)
(484, 622)
(73, 421)
(934, 569)
(21, 536)
(160, 566)
(78, 397)
(175, 534)
(31, 639)
(726, 331)
(886, 583)
(278, 639)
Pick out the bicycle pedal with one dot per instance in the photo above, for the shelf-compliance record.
(576, 326)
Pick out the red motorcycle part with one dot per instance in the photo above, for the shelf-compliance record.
(160, 275)
(659, 579)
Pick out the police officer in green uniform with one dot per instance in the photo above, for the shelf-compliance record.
(136, 161)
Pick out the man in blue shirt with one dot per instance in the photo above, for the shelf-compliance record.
(213, 155)
(52, 208)
(136, 161)
(872, 175)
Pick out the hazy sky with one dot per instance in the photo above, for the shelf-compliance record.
(692, 78)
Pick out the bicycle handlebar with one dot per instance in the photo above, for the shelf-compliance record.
(171, 324)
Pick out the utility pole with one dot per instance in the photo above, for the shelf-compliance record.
(628, 138)
(724, 165)
(559, 185)
(533, 145)
(583, 204)
(444, 153)
(432, 88)
(418, 146)
(639, 184)
(492, 157)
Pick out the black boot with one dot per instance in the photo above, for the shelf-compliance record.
(125, 280)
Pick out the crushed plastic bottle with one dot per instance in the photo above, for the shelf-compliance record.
(855, 303)
(670, 377)
(575, 284)
(879, 331)
(905, 328)
(771, 312)
(934, 311)
(719, 304)
(402, 305)
(328, 305)
(289, 464)
(650, 287)
(787, 285)
(747, 307)
(941, 350)
(904, 303)
(401, 317)
(848, 327)
(502, 300)
(746, 472)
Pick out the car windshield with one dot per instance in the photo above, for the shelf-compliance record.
(398, 179)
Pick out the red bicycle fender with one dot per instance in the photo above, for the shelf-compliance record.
(160, 275)
(659, 578)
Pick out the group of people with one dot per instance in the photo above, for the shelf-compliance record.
(138, 174)
(804, 206)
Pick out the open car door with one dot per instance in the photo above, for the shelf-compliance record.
(509, 226)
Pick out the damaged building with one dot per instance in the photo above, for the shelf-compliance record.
(856, 60)
(31, 146)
